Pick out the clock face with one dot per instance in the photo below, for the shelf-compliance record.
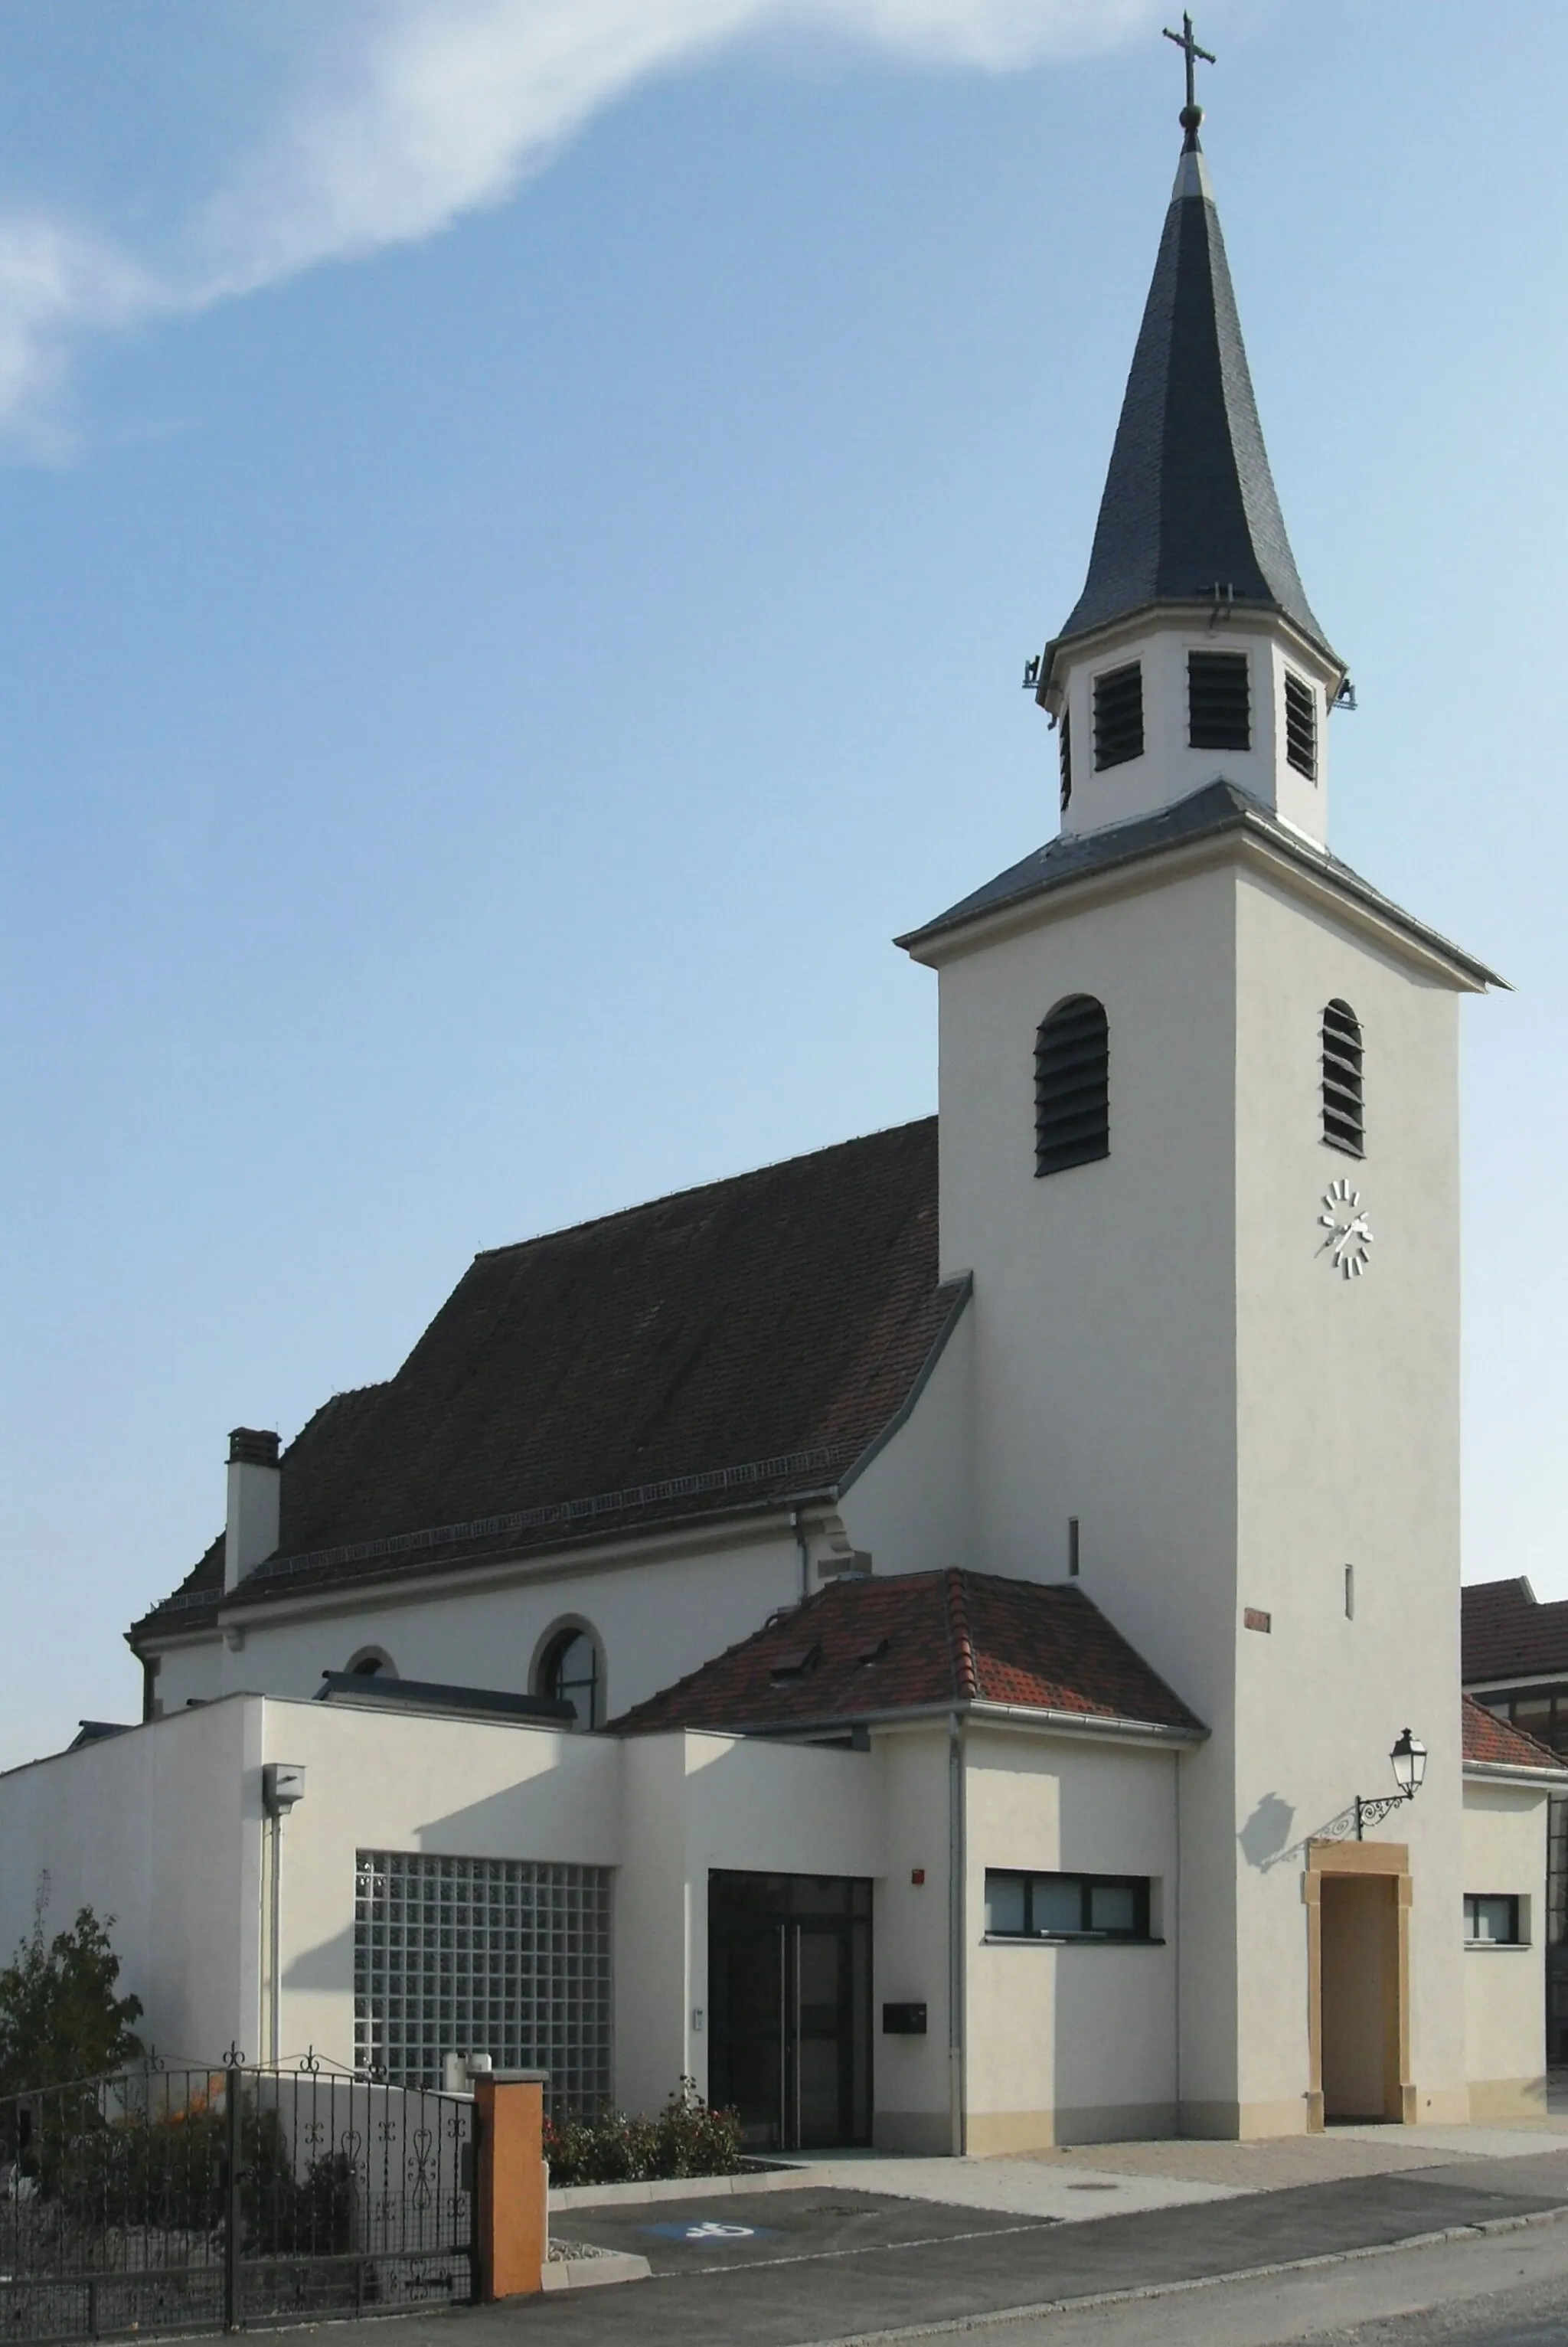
(1349, 1242)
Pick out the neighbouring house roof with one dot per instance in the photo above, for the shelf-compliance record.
(724, 1347)
(1189, 509)
(1498, 1744)
(864, 1647)
(1506, 1633)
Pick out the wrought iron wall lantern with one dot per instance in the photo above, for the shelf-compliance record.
(1408, 1762)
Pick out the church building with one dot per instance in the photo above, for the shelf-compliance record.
(952, 1642)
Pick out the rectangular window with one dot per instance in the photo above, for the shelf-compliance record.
(1219, 704)
(1301, 726)
(1491, 1920)
(484, 1955)
(1118, 715)
(1066, 1906)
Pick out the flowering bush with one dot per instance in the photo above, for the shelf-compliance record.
(685, 2139)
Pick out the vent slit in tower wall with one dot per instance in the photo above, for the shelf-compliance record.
(1118, 715)
(1065, 752)
(1219, 704)
(1301, 726)
(1071, 1086)
(1344, 1120)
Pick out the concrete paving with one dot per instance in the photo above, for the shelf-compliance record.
(1090, 2181)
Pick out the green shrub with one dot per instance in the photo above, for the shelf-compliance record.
(60, 2017)
(685, 2139)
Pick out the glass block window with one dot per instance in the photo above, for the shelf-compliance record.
(484, 1955)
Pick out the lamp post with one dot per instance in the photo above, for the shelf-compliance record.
(1408, 1762)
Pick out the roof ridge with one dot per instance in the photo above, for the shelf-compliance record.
(961, 1644)
(697, 1189)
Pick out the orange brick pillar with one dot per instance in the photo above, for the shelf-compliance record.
(509, 2220)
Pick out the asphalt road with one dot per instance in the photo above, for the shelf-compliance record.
(819, 2266)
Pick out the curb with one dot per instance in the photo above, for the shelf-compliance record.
(958, 2325)
(587, 2273)
(674, 2187)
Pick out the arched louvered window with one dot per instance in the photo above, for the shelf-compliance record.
(1344, 1117)
(1071, 1086)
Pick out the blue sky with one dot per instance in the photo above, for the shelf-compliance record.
(523, 523)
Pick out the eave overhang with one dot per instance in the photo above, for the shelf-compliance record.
(1151, 850)
(1038, 1719)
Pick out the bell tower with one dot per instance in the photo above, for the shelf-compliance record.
(1191, 655)
(1199, 1154)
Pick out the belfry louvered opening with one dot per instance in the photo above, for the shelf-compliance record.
(1219, 701)
(1118, 715)
(1301, 726)
(1064, 749)
(1344, 1115)
(1071, 1086)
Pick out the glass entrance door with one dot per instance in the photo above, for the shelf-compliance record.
(789, 1972)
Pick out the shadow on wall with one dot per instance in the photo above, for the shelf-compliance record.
(1266, 1837)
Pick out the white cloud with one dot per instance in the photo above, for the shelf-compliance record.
(413, 112)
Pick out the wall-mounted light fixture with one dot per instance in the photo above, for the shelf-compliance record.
(1408, 1761)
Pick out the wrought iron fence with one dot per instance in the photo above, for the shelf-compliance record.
(171, 2200)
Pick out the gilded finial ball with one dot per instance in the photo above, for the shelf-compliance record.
(1191, 118)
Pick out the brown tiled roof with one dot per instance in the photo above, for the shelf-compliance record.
(1504, 1633)
(860, 1647)
(716, 1349)
(1487, 1737)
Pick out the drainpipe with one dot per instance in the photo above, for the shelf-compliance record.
(281, 1786)
(803, 1545)
(957, 1890)
(1172, 1921)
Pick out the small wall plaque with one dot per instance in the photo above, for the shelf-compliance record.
(904, 2020)
(1255, 1618)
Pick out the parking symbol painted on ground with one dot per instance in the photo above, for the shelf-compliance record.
(709, 2229)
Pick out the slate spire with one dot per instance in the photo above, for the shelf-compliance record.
(1190, 513)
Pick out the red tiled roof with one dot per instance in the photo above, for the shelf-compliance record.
(1489, 1738)
(743, 1341)
(909, 1641)
(1504, 1633)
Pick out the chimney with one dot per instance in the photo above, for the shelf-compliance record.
(250, 1531)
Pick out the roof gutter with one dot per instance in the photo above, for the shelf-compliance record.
(1022, 1716)
(1514, 1772)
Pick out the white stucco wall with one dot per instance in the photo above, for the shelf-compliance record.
(1070, 2045)
(154, 1829)
(1504, 1850)
(190, 1672)
(1347, 1401)
(658, 1611)
(1104, 1325)
(1161, 1352)
(1169, 769)
(916, 2077)
(913, 1506)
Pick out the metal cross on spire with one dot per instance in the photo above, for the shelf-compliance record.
(1192, 113)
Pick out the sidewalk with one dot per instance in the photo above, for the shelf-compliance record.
(1077, 2185)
